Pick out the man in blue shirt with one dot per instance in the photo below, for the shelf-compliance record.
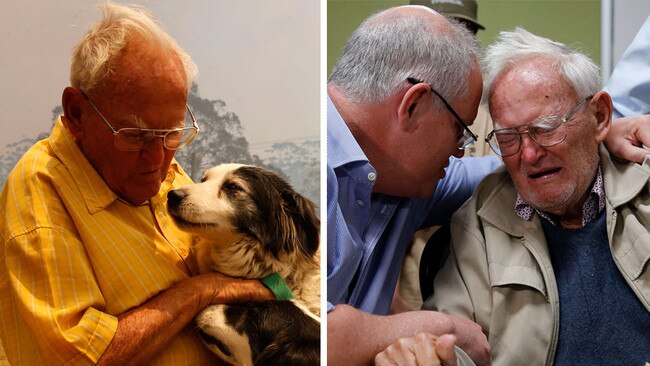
(398, 99)
(390, 137)
(629, 84)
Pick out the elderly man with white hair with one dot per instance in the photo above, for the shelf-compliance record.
(550, 255)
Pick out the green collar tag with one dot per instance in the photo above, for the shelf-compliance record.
(276, 284)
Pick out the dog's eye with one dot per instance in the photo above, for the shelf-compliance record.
(231, 187)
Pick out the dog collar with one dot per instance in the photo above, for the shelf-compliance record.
(276, 284)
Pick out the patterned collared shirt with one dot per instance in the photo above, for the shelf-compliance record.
(592, 206)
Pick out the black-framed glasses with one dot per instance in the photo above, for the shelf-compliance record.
(547, 131)
(468, 137)
(135, 139)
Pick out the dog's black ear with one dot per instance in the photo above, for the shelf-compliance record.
(293, 354)
(307, 224)
(284, 218)
(286, 335)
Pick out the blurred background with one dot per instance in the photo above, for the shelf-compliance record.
(600, 28)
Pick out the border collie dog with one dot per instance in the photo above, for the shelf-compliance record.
(252, 224)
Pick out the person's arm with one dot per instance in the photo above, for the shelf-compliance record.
(143, 331)
(462, 177)
(629, 86)
(54, 297)
(355, 337)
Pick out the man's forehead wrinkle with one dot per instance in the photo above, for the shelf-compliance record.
(536, 73)
(537, 78)
(143, 65)
(136, 121)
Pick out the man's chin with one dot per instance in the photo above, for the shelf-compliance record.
(428, 191)
(140, 194)
(555, 204)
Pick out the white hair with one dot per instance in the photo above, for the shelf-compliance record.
(387, 49)
(519, 45)
(92, 56)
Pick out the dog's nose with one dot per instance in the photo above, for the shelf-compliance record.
(175, 197)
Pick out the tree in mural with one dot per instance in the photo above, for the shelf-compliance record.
(15, 150)
(301, 163)
(221, 138)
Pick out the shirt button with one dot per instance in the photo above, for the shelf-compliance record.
(372, 176)
(360, 202)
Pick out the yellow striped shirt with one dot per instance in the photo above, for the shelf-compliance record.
(74, 256)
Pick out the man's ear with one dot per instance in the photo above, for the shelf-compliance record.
(603, 103)
(72, 100)
(411, 107)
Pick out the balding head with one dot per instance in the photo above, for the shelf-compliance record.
(436, 19)
(402, 42)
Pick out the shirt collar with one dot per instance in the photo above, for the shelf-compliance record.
(342, 147)
(593, 205)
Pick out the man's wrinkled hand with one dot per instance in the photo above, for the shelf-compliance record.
(423, 349)
(627, 136)
(221, 289)
(471, 339)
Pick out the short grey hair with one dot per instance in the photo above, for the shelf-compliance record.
(385, 50)
(519, 45)
(92, 56)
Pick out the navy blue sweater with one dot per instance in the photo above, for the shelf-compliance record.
(601, 320)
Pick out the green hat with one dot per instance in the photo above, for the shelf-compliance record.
(461, 9)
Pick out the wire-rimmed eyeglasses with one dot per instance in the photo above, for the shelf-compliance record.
(547, 131)
(135, 139)
(468, 137)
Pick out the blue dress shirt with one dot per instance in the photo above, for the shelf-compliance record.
(368, 234)
(629, 84)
